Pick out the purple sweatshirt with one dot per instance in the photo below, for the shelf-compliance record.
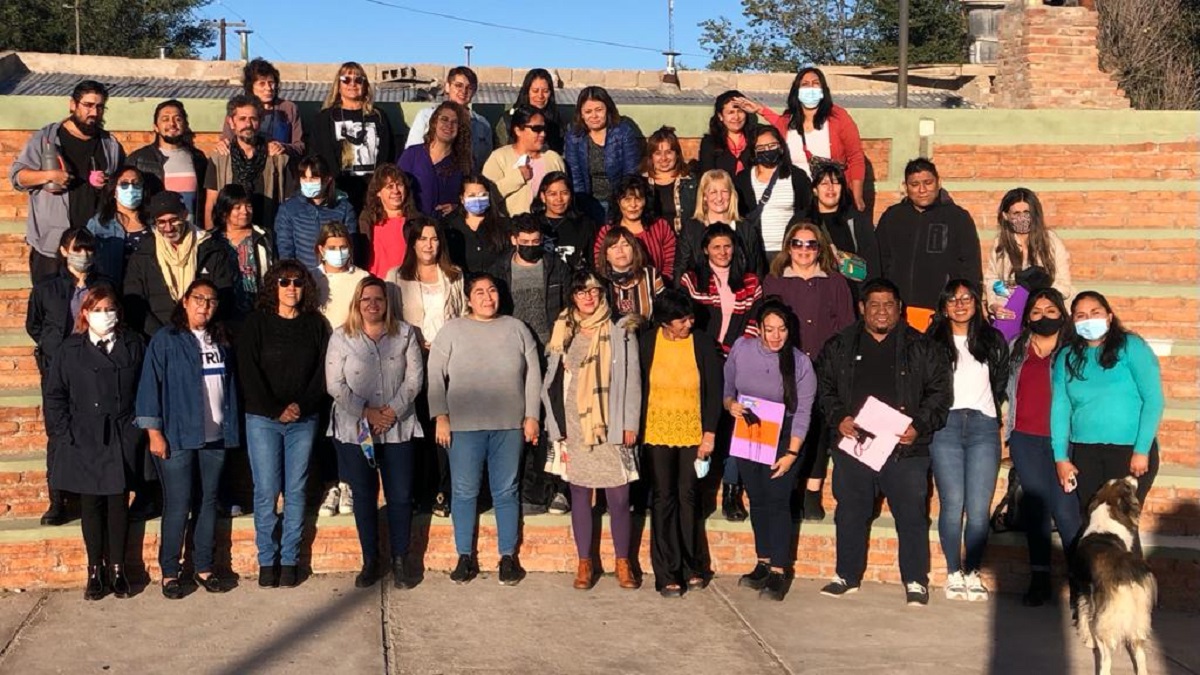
(432, 184)
(753, 370)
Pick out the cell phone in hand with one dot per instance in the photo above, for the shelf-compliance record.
(1072, 483)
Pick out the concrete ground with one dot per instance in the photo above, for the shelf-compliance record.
(544, 626)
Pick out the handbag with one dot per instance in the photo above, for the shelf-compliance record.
(1007, 516)
(853, 267)
(815, 162)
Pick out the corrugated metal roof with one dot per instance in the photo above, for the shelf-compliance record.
(61, 84)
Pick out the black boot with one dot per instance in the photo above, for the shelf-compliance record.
(401, 579)
(813, 510)
(731, 503)
(1039, 590)
(739, 505)
(57, 513)
(95, 583)
(368, 575)
(118, 581)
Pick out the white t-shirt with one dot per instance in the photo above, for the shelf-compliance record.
(433, 299)
(972, 384)
(818, 145)
(212, 366)
(778, 210)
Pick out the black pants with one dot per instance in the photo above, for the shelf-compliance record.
(905, 484)
(814, 453)
(1100, 462)
(770, 509)
(678, 546)
(537, 487)
(42, 267)
(105, 523)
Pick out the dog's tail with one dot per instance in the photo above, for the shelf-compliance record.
(1126, 602)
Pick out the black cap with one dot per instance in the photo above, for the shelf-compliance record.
(166, 202)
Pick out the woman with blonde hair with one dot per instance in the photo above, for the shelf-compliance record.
(717, 203)
(351, 134)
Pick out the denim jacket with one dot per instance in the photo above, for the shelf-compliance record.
(171, 390)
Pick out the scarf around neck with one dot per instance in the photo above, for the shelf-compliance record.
(247, 170)
(595, 373)
(178, 263)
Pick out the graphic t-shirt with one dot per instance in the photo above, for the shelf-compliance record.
(359, 141)
(212, 366)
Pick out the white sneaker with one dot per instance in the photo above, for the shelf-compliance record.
(346, 503)
(236, 511)
(956, 586)
(976, 591)
(329, 505)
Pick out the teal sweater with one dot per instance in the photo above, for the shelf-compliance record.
(1122, 405)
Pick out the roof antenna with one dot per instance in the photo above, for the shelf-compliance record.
(671, 75)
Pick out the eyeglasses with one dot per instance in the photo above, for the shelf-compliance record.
(174, 222)
(452, 121)
(960, 300)
(586, 292)
(285, 282)
(770, 146)
(810, 244)
(128, 184)
(352, 79)
(204, 300)
(536, 128)
(460, 85)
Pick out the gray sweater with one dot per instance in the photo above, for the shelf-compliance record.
(478, 371)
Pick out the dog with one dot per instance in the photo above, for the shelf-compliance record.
(1116, 589)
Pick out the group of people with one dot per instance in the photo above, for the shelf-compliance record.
(569, 307)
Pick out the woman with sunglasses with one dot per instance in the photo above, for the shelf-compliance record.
(189, 406)
(537, 92)
(281, 350)
(966, 451)
(517, 169)
(120, 223)
(805, 276)
(351, 134)
(772, 192)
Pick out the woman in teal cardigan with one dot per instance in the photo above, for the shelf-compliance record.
(1107, 402)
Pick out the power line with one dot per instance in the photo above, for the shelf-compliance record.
(262, 38)
(518, 29)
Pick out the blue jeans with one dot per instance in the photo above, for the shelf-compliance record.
(279, 455)
(502, 452)
(395, 468)
(966, 459)
(181, 473)
(1042, 498)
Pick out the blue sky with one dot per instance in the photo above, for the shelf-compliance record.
(324, 31)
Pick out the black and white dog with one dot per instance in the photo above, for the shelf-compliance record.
(1117, 591)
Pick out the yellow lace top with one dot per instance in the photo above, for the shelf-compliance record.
(673, 416)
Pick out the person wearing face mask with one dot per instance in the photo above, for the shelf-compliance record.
(477, 235)
(633, 282)
(673, 197)
(537, 91)
(849, 230)
(65, 196)
(172, 162)
(461, 85)
(165, 264)
(718, 203)
(818, 131)
(726, 146)
(772, 191)
(771, 367)
(1106, 403)
(1023, 241)
(565, 231)
(50, 319)
(119, 225)
(89, 411)
(517, 170)
(336, 276)
(300, 218)
(389, 205)
(1044, 329)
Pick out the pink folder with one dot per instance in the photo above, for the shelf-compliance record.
(758, 442)
(882, 426)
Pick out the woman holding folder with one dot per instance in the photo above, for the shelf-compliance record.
(770, 368)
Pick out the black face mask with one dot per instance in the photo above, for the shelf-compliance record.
(1046, 326)
(768, 157)
(530, 254)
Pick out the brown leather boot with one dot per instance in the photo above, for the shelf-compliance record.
(584, 577)
(625, 578)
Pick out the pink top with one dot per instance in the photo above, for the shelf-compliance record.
(387, 246)
(728, 298)
(844, 142)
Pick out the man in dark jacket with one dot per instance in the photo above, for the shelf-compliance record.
(163, 266)
(883, 357)
(171, 162)
(927, 240)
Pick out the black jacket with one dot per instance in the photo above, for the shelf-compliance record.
(571, 239)
(150, 161)
(147, 300)
(714, 154)
(688, 251)
(325, 142)
(555, 275)
(48, 317)
(712, 375)
(997, 362)
(920, 251)
(89, 409)
(923, 382)
(748, 203)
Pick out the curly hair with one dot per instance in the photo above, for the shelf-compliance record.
(460, 148)
(268, 293)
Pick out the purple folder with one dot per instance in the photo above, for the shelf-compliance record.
(1011, 328)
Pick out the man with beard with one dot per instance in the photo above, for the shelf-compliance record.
(266, 178)
(881, 356)
(64, 167)
(171, 162)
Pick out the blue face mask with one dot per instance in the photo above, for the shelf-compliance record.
(130, 197)
(1091, 329)
(477, 206)
(336, 257)
(702, 467)
(310, 189)
(810, 97)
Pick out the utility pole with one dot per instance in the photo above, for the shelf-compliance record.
(902, 77)
(78, 47)
(467, 48)
(221, 25)
(244, 35)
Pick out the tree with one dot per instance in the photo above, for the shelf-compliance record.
(134, 28)
(784, 35)
(1154, 50)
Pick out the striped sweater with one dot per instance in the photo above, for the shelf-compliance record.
(725, 322)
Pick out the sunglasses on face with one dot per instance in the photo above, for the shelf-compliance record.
(126, 184)
(536, 128)
(352, 79)
(285, 282)
(810, 244)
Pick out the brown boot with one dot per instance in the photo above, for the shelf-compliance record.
(584, 577)
(625, 578)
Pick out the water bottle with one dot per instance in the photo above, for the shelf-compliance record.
(51, 162)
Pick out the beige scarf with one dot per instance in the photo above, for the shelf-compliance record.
(595, 373)
(178, 263)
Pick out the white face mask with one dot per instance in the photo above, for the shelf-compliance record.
(102, 322)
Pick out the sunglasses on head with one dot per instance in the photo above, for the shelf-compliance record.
(285, 282)
(352, 79)
(810, 244)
